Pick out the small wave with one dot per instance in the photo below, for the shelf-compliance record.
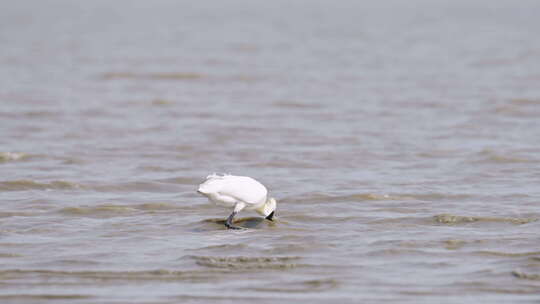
(302, 286)
(152, 76)
(394, 252)
(144, 275)
(137, 186)
(438, 153)
(430, 196)
(156, 206)
(12, 156)
(74, 262)
(246, 78)
(401, 210)
(509, 254)
(454, 244)
(101, 210)
(156, 168)
(458, 219)
(439, 196)
(504, 159)
(221, 248)
(161, 102)
(240, 262)
(518, 291)
(519, 107)
(295, 105)
(526, 276)
(525, 102)
(286, 164)
(490, 156)
(9, 255)
(356, 197)
(15, 213)
(323, 219)
(18, 185)
(44, 297)
(41, 114)
(398, 220)
(182, 180)
(293, 247)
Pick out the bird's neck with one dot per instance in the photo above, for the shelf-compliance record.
(264, 210)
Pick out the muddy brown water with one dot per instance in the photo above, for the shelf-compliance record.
(400, 139)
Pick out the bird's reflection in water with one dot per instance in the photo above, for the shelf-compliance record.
(247, 222)
(250, 222)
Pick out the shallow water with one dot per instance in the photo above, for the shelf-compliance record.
(400, 139)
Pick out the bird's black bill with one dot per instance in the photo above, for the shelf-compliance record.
(270, 217)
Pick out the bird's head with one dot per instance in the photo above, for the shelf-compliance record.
(269, 209)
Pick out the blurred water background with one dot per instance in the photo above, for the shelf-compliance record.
(401, 139)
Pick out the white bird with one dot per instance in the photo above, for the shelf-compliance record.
(240, 192)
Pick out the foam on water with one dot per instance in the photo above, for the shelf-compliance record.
(11, 156)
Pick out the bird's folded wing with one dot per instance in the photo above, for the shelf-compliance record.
(244, 189)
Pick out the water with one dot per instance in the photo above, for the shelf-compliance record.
(400, 139)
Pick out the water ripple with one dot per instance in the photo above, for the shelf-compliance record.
(241, 262)
(23, 184)
(458, 219)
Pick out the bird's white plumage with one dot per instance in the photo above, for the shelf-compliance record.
(240, 192)
(230, 190)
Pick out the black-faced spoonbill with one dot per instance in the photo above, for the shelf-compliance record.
(240, 192)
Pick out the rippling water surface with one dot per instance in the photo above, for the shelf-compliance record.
(401, 141)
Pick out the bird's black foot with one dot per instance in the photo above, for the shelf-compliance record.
(233, 227)
(229, 222)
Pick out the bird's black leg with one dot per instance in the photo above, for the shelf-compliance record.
(229, 222)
